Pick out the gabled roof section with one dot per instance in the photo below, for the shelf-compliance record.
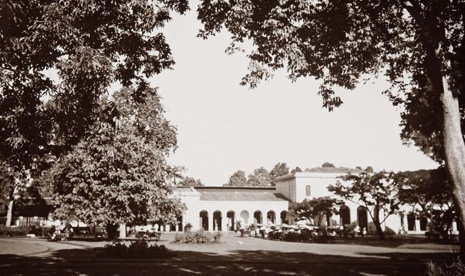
(239, 194)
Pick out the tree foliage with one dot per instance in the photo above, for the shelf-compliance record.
(376, 193)
(189, 182)
(341, 41)
(119, 172)
(314, 209)
(260, 178)
(417, 45)
(369, 169)
(56, 60)
(278, 170)
(428, 191)
(328, 165)
(238, 179)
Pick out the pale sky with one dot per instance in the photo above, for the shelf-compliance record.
(224, 127)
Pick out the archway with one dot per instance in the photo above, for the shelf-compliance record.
(217, 221)
(344, 213)
(231, 220)
(411, 219)
(423, 223)
(258, 217)
(271, 217)
(284, 218)
(245, 218)
(362, 218)
(204, 220)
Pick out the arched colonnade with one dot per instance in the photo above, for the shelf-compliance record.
(229, 220)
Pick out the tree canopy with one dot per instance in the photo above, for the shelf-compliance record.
(278, 170)
(314, 210)
(376, 193)
(57, 58)
(328, 165)
(189, 182)
(260, 178)
(417, 45)
(429, 193)
(237, 179)
(339, 42)
(119, 172)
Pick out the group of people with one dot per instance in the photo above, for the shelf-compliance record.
(62, 232)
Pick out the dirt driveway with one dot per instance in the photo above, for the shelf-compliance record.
(235, 256)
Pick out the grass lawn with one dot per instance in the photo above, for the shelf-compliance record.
(234, 256)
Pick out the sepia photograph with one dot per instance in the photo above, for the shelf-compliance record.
(232, 137)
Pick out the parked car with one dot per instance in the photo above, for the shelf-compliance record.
(147, 232)
(87, 232)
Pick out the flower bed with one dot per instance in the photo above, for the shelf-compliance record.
(20, 231)
(198, 237)
(139, 249)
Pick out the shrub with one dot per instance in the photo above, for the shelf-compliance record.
(115, 250)
(217, 237)
(139, 249)
(35, 229)
(291, 236)
(307, 235)
(3, 231)
(19, 231)
(389, 232)
(188, 227)
(275, 235)
(456, 268)
(198, 237)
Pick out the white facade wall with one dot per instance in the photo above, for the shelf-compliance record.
(287, 187)
(238, 208)
(194, 206)
(295, 188)
(318, 183)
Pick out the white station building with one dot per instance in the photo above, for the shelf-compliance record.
(219, 208)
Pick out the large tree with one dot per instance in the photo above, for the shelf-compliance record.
(259, 178)
(119, 174)
(237, 179)
(423, 189)
(188, 181)
(376, 193)
(314, 209)
(418, 45)
(57, 58)
(278, 170)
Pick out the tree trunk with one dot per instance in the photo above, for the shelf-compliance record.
(454, 147)
(379, 229)
(9, 214)
(112, 231)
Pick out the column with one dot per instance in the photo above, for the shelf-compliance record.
(224, 221)
(403, 224)
(277, 220)
(417, 224)
(122, 230)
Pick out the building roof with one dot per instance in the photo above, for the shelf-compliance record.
(320, 172)
(239, 194)
(183, 189)
(342, 170)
